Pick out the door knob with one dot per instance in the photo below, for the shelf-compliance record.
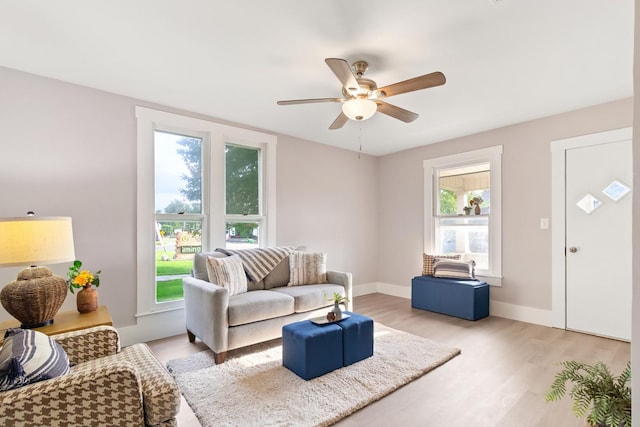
(573, 249)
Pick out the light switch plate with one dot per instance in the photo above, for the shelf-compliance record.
(544, 223)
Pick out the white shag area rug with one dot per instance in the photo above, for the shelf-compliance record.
(254, 389)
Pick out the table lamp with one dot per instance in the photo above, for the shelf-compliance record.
(37, 295)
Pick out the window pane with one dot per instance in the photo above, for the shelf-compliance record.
(242, 235)
(461, 188)
(468, 236)
(242, 180)
(448, 202)
(178, 173)
(176, 244)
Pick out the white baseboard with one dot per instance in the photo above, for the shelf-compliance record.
(153, 327)
(383, 288)
(499, 309)
(365, 289)
(521, 313)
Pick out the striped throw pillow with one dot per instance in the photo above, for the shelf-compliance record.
(454, 269)
(429, 260)
(307, 268)
(29, 356)
(227, 272)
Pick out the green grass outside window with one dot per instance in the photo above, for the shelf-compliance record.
(171, 290)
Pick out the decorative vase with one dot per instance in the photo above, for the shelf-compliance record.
(467, 211)
(336, 309)
(477, 209)
(87, 300)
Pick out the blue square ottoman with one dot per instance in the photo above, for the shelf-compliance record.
(311, 350)
(466, 299)
(357, 338)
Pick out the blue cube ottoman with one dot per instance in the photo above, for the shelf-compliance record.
(357, 338)
(311, 350)
(466, 299)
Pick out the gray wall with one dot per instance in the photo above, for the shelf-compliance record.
(526, 197)
(71, 151)
(328, 198)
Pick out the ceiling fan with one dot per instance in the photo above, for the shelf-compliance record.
(362, 97)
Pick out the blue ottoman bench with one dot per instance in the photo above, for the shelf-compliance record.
(311, 350)
(466, 299)
(357, 338)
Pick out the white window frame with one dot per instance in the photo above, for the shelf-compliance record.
(260, 218)
(491, 155)
(215, 137)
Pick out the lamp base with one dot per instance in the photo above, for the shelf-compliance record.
(37, 325)
(35, 297)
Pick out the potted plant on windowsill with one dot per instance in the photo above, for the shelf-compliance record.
(605, 397)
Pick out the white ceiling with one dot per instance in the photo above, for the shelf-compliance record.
(506, 61)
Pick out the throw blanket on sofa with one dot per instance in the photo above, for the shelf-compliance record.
(259, 262)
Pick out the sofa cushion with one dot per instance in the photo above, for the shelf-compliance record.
(311, 297)
(200, 269)
(228, 273)
(454, 269)
(258, 305)
(429, 260)
(279, 276)
(29, 356)
(307, 268)
(200, 264)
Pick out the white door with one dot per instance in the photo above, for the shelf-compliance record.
(598, 239)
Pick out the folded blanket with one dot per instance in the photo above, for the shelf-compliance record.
(259, 262)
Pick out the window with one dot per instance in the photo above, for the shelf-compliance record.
(242, 185)
(463, 209)
(462, 221)
(179, 214)
(201, 186)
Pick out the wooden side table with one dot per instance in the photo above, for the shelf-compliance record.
(67, 321)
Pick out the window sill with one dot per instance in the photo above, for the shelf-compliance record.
(152, 313)
(491, 280)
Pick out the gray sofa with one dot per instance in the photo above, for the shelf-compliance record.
(226, 322)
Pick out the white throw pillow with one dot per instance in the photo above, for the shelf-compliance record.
(227, 272)
(454, 269)
(307, 268)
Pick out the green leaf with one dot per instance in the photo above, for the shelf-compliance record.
(596, 393)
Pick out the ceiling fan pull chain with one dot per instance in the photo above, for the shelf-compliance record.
(360, 142)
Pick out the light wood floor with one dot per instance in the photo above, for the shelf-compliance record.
(499, 380)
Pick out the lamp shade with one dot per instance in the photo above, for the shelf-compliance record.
(359, 108)
(36, 240)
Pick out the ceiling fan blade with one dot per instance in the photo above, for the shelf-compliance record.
(339, 121)
(396, 112)
(309, 101)
(342, 70)
(416, 83)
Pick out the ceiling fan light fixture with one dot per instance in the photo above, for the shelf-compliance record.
(359, 108)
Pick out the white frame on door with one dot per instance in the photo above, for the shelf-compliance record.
(558, 214)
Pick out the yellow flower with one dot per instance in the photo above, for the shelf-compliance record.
(77, 278)
(83, 278)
